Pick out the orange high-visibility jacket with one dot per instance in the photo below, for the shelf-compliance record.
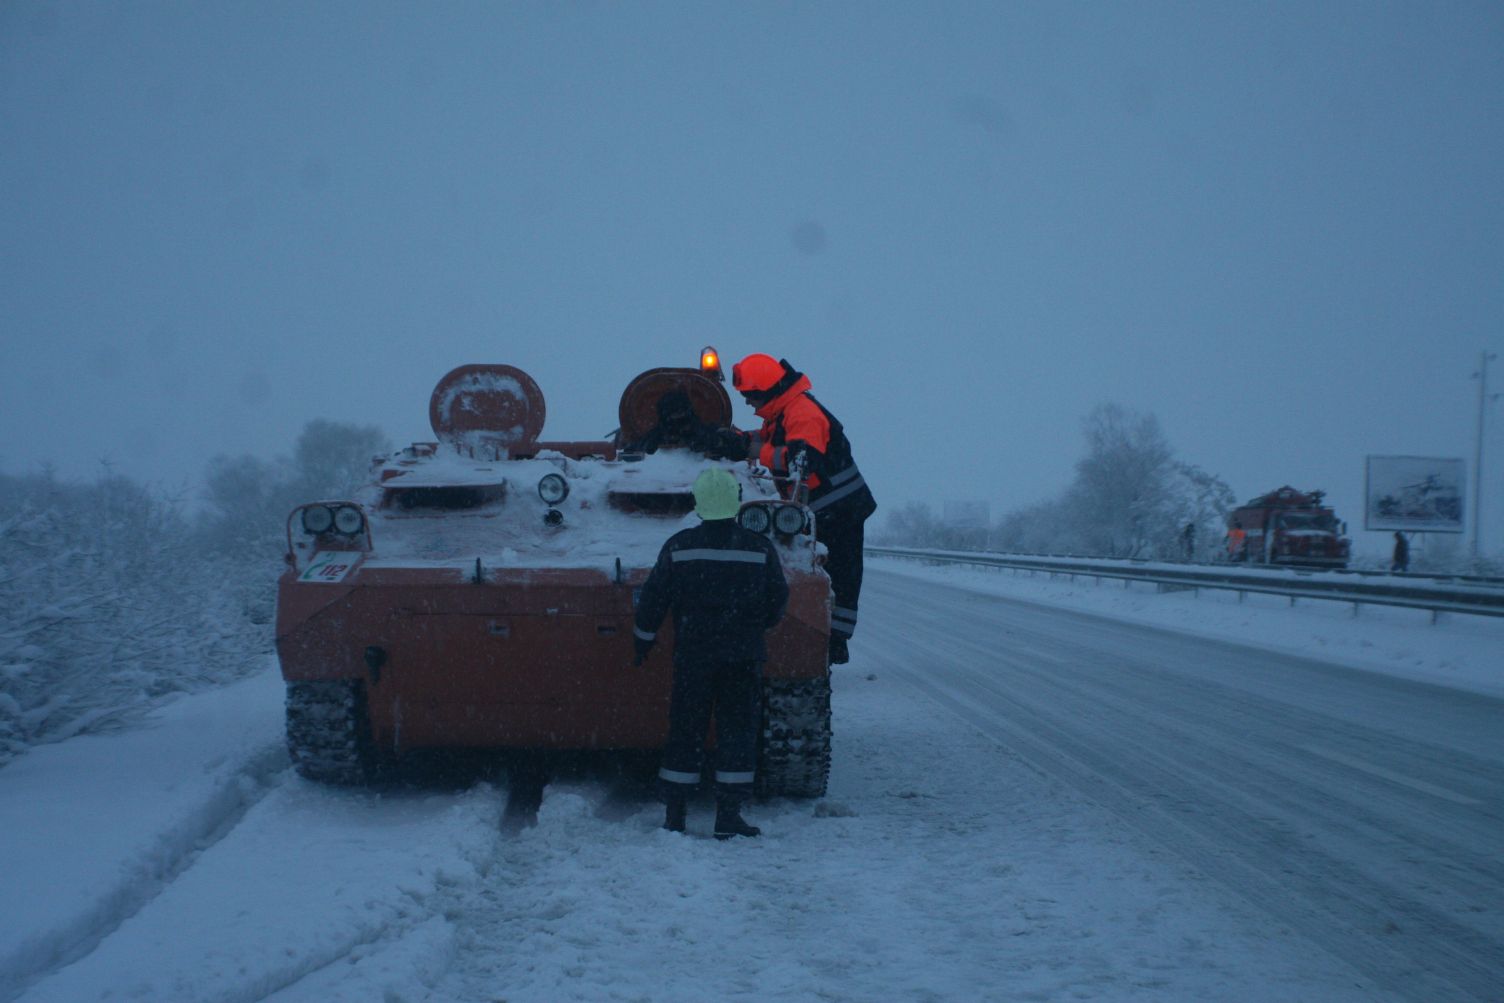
(795, 418)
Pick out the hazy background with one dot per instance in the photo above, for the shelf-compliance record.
(1279, 227)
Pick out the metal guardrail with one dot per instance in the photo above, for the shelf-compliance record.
(1479, 597)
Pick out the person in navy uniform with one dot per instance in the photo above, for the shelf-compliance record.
(725, 587)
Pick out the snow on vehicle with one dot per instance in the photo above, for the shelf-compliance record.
(479, 593)
(1288, 527)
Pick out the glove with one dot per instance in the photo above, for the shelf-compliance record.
(726, 444)
(702, 439)
(641, 648)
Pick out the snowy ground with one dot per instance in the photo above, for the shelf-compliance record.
(183, 861)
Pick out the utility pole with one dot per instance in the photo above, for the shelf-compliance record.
(1483, 398)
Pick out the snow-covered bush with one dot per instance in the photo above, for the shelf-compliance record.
(1130, 498)
(112, 598)
(107, 603)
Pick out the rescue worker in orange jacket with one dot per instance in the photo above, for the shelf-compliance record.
(1237, 542)
(799, 433)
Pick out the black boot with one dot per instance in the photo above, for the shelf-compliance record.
(838, 654)
(729, 821)
(674, 814)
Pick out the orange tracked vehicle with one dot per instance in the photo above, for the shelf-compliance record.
(479, 593)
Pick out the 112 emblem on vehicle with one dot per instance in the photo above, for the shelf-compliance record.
(330, 566)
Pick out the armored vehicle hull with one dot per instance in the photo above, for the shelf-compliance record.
(474, 607)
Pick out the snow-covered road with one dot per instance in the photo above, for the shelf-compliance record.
(1026, 804)
(1359, 809)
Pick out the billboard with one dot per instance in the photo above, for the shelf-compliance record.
(1421, 494)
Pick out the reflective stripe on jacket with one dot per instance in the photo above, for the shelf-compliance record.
(725, 587)
(835, 484)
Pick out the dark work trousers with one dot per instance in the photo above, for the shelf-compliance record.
(733, 690)
(843, 539)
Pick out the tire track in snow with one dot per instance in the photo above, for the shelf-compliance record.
(315, 894)
(175, 851)
(421, 947)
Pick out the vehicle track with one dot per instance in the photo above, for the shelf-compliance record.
(175, 853)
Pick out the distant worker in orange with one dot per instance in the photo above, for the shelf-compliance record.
(1237, 542)
(799, 436)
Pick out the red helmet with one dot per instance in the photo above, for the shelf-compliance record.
(756, 373)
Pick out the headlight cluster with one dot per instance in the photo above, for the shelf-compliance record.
(789, 519)
(345, 519)
(553, 488)
(786, 519)
(754, 518)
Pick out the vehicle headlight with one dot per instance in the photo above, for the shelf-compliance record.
(754, 518)
(789, 519)
(348, 520)
(317, 519)
(553, 488)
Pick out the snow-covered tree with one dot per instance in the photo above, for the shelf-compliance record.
(912, 524)
(106, 604)
(111, 598)
(333, 458)
(1121, 501)
(1130, 497)
(248, 498)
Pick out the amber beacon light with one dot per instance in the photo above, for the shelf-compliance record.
(710, 363)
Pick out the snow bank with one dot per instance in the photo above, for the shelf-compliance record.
(310, 880)
(94, 827)
(184, 861)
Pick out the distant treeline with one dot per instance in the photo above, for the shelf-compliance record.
(1130, 498)
(112, 598)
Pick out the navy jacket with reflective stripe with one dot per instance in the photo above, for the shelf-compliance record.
(725, 586)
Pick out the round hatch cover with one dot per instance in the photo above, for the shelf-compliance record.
(487, 408)
(638, 410)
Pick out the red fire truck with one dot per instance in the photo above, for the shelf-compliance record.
(1288, 527)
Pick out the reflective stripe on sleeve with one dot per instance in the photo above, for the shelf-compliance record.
(843, 476)
(645, 635)
(837, 494)
(677, 777)
(711, 554)
(842, 614)
(733, 778)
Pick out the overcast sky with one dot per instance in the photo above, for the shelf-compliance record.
(1278, 227)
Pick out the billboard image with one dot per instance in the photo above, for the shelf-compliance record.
(1421, 494)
